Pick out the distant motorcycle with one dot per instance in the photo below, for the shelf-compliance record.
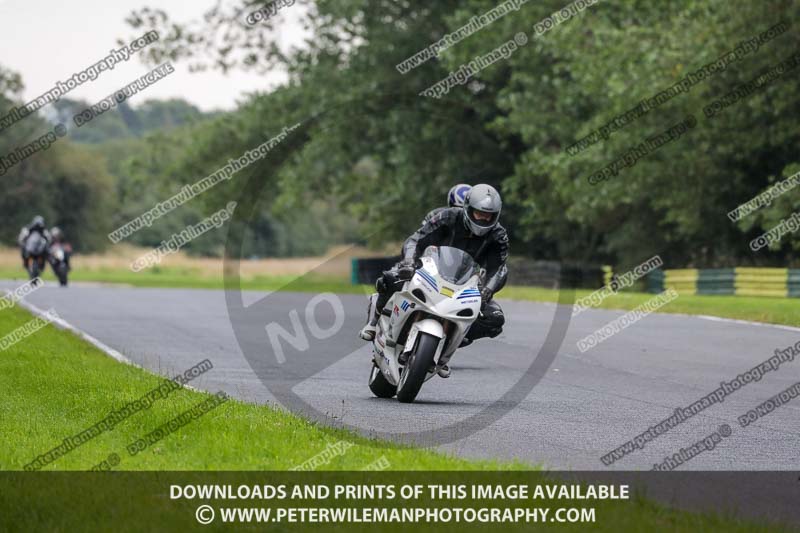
(58, 260)
(35, 254)
(423, 324)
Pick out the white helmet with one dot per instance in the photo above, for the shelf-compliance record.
(457, 194)
(482, 209)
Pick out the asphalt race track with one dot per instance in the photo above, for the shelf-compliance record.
(584, 406)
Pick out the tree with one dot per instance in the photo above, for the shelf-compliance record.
(64, 183)
(387, 155)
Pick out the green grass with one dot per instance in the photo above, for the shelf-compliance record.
(755, 308)
(191, 278)
(62, 385)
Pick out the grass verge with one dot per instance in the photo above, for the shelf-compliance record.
(754, 308)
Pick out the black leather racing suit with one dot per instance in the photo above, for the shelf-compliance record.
(433, 213)
(22, 239)
(445, 227)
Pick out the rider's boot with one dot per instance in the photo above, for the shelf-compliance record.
(368, 331)
(444, 371)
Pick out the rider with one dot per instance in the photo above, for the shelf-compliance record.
(37, 225)
(455, 198)
(473, 228)
(58, 238)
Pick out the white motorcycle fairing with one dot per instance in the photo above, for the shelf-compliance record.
(426, 304)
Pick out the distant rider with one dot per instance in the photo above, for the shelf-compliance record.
(57, 237)
(37, 225)
(473, 228)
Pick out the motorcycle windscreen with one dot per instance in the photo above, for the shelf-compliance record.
(454, 265)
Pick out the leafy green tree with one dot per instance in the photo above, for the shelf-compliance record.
(64, 183)
(389, 155)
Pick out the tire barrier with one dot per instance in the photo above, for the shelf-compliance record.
(741, 281)
(366, 271)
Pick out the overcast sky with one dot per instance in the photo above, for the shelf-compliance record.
(49, 40)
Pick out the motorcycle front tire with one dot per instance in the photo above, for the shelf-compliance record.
(416, 368)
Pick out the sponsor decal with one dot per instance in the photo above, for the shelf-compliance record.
(446, 291)
(470, 292)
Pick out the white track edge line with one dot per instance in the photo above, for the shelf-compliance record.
(748, 322)
(100, 345)
(63, 324)
(704, 317)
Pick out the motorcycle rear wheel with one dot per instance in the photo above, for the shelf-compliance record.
(378, 384)
(33, 270)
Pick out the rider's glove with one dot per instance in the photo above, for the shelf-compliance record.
(486, 294)
(405, 270)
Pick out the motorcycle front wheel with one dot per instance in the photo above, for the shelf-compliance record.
(419, 362)
(61, 272)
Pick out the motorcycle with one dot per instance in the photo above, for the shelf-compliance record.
(58, 260)
(423, 324)
(35, 254)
